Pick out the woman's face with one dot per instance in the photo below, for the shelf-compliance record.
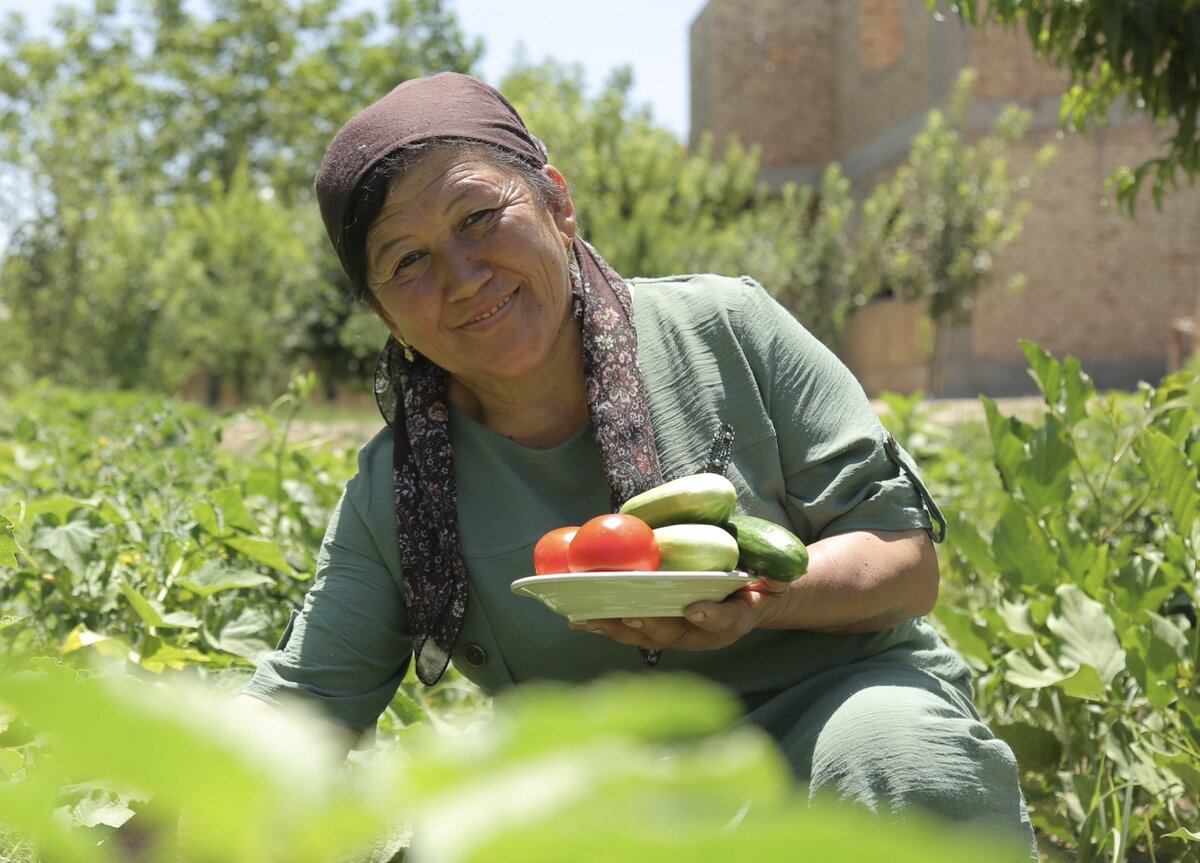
(470, 268)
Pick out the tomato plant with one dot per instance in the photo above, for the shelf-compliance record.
(550, 553)
(615, 542)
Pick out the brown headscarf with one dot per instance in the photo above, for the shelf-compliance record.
(412, 394)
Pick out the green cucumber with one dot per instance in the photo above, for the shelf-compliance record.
(767, 549)
(688, 547)
(703, 498)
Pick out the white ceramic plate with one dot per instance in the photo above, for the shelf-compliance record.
(586, 595)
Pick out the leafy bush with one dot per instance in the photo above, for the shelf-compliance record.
(625, 769)
(1072, 588)
(139, 553)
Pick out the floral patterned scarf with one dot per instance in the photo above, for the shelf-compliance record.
(412, 397)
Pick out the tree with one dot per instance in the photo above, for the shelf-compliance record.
(931, 233)
(653, 208)
(1144, 51)
(141, 109)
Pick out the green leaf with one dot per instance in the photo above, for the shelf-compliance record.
(1087, 635)
(1045, 476)
(966, 636)
(1045, 370)
(158, 655)
(181, 746)
(69, 543)
(966, 539)
(247, 636)
(1019, 671)
(1173, 478)
(98, 808)
(8, 544)
(1183, 833)
(261, 551)
(60, 507)
(215, 576)
(11, 760)
(224, 513)
(1078, 391)
(1035, 747)
(1008, 448)
(1023, 553)
(1083, 682)
(152, 614)
(1156, 649)
(81, 638)
(407, 709)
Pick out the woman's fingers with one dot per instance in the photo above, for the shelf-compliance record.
(704, 626)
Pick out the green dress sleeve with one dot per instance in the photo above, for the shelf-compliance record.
(347, 650)
(842, 470)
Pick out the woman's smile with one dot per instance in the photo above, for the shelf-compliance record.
(492, 312)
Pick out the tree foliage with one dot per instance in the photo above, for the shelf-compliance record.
(1147, 53)
(120, 128)
(930, 234)
(158, 162)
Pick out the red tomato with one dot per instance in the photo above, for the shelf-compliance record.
(616, 543)
(550, 553)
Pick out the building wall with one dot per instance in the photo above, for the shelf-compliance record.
(1101, 286)
(883, 73)
(1098, 285)
(763, 71)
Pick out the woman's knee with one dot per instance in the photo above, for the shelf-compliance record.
(899, 748)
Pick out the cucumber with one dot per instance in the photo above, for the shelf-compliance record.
(703, 498)
(686, 547)
(767, 549)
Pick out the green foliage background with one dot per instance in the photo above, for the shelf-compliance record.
(1128, 54)
(139, 553)
(156, 167)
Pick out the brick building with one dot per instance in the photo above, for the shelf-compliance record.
(851, 81)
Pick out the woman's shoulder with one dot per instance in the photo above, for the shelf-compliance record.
(694, 296)
(711, 286)
(373, 479)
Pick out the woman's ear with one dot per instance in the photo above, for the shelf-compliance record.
(562, 209)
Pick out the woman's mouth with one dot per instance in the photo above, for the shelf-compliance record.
(504, 302)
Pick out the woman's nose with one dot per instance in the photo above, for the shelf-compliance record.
(464, 274)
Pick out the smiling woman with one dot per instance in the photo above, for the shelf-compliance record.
(527, 386)
(469, 265)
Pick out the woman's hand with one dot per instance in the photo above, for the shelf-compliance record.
(704, 626)
(862, 581)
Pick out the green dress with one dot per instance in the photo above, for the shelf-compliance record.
(884, 719)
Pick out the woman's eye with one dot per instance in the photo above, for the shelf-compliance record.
(408, 260)
(477, 217)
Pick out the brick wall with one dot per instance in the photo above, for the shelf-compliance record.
(1100, 286)
(884, 73)
(762, 71)
(1007, 67)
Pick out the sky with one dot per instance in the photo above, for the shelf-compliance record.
(649, 35)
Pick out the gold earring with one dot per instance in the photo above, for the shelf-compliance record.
(408, 351)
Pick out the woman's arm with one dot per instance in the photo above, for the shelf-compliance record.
(861, 581)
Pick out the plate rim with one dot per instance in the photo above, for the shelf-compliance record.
(648, 575)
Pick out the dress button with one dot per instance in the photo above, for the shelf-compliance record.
(475, 655)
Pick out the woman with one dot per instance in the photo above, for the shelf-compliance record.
(527, 386)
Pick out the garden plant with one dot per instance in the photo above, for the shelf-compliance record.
(146, 563)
